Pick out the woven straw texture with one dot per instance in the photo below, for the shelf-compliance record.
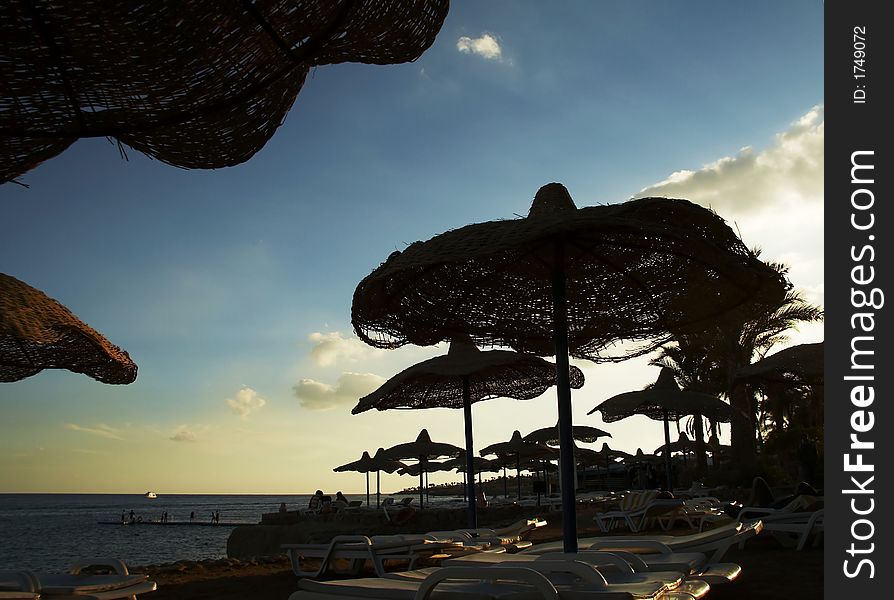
(665, 395)
(438, 382)
(581, 433)
(635, 271)
(36, 333)
(801, 363)
(192, 83)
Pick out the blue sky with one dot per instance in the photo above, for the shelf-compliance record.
(231, 288)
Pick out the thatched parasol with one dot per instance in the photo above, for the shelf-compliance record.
(520, 449)
(664, 401)
(366, 464)
(581, 433)
(194, 84)
(682, 444)
(37, 332)
(801, 363)
(463, 376)
(565, 281)
(422, 448)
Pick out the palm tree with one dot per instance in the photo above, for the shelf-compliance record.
(708, 360)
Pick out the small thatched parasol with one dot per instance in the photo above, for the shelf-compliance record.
(367, 465)
(565, 281)
(463, 376)
(37, 332)
(802, 363)
(581, 433)
(192, 83)
(422, 449)
(682, 444)
(664, 401)
(520, 449)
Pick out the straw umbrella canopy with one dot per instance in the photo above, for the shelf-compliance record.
(37, 332)
(581, 433)
(681, 444)
(565, 281)
(367, 464)
(664, 401)
(801, 363)
(422, 448)
(463, 376)
(192, 83)
(517, 447)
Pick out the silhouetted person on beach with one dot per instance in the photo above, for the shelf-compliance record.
(131, 515)
(192, 515)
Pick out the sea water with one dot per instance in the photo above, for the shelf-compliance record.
(47, 532)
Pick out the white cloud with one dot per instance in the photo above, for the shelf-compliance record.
(101, 430)
(788, 173)
(487, 46)
(349, 388)
(330, 348)
(246, 402)
(184, 434)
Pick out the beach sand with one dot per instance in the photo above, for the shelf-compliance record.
(769, 571)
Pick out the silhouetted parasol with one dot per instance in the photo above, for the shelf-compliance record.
(37, 332)
(463, 376)
(516, 447)
(367, 465)
(422, 449)
(194, 84)
(581, 433)
(682, 444)
(565, 281)
(801, 363)
(664, 401)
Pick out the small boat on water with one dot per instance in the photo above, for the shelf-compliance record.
(150, 495)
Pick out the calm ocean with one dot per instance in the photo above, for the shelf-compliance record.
(46, 532)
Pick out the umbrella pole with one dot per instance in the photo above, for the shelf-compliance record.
(378, 482)
(667, 453)
(563, 393)
(470, 457)
(367, 488)
(421, 484)
(517, 479)
(505, 483)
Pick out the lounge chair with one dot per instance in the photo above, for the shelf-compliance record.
(357, 549)
(511, 537)
(116, 584)
(491, 583)
(712, 542)
(802, 525)
(640, 512)
(19, 585)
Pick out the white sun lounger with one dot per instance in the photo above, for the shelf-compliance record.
(689, 564)
(118, 584)
(490, 583)
(712, 542)
(357, 549)
(802, 525)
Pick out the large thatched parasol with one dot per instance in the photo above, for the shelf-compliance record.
(422, 449)
(664, 401)
(37, 332)
(565, 281)
(463, 376)
(802, 363)
(192, 83)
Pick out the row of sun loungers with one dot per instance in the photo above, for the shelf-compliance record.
(608, 568)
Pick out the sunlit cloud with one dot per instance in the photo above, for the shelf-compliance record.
(331, 348)
(184, 434)
(788, 173)
(486, 46)
(101, 430)
(246, 402)
(349, 388)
